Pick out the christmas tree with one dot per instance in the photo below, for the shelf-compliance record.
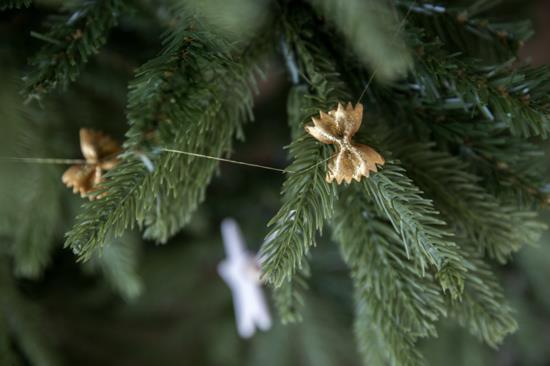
(393, 183)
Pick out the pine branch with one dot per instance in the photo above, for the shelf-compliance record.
(450, 87)
(307, 202)
(487, 224)
(381, 341)
(498, 229)
(423, 233)
(14, 4)
(307, 198)
(69, 44)
(524, 101)
(511, 168)
(468, 30)
(231, 101)
(453, 103)
(183, 187)
(118, 263)
(314, 63)
(322, 339)
(7, 354)
(288, 297)
(177, 75)
(371, 28)
(388, 322)
(459, 115)
(534, 263)
(483, 309)
(182, 111)
(241, 19)
(38, 210)
(503, 95)
(24, 321)
(168, 77)
(37, 217)
(325, 335)
(30, 195)
(480, 216)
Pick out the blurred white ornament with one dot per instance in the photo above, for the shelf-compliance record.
(241, 272)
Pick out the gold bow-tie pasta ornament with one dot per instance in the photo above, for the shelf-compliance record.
(352, 161)
(101, 153)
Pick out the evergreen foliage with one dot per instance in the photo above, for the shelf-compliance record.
(458, 120)
(118, 264)
(467, 29)
(170, 91)
(483, 309)
(307, 198)
(15, 4)
(375, 36)
(388, 322)
(476, 216)
(31, 231)
(492, 93)
(22, 319)
(69, 44)
(415, 219)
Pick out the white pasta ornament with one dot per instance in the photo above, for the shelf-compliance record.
(240, 270)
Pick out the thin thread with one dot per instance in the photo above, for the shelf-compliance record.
(315, 165)
(247, 164)
(225, 160)
(401, 25)
(367, 86)
(46, 38)
(53, 161)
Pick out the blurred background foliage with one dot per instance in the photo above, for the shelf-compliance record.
(167, 305)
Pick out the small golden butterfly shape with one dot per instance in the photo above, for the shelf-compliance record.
(101, 153)
(352, 161)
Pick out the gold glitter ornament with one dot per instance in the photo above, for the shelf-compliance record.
(352, 161)
(100, 152)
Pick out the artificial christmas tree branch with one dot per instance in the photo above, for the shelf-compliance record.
(136, 195)
(468, 27)
(478, 213)
(424, 235)
(373, 30)
(519, 101)
(308, 198)
(75, 39)
(376, 257)
(23, 320)
(424, 161)
(483, 309)
(417, 227)
(14, 4)
(33, 239)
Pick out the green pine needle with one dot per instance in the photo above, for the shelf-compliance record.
(14, 4)
(70, 43)
(424, 235)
